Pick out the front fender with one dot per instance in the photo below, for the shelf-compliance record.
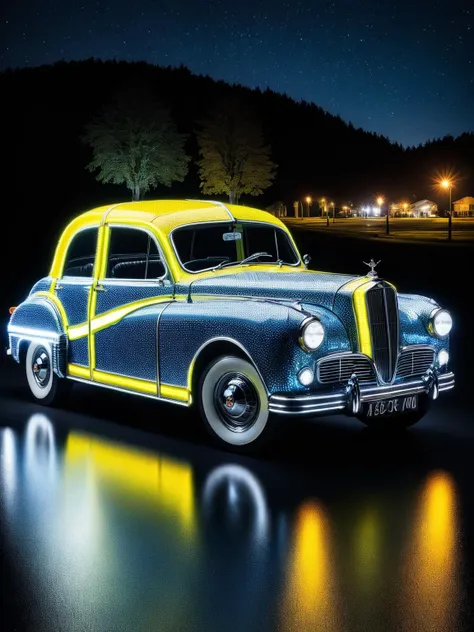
(267, 331)
(414, 314)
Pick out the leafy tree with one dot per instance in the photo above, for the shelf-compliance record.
(135, 142)
(234, 158)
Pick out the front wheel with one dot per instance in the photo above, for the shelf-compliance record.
(45, 386)
(233, 402)
(400, 421)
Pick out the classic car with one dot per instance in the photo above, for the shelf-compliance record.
(205, 303)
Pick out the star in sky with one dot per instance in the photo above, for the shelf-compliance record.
(403, 69)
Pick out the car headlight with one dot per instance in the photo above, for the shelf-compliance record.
(311, 334)
(441, 323)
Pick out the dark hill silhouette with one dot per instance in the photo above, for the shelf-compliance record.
(317, 153)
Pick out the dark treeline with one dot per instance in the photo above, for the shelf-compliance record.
(46, 109)
(316, 153)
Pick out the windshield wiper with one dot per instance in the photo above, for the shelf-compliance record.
(255, 255)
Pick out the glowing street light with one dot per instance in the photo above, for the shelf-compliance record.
(333, 211)
(308, 200)
(380, 201)
(447, 183)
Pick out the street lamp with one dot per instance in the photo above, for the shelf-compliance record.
(380, 202)
(308, 200)
(324, 209)
(333, 212)
(447, 184)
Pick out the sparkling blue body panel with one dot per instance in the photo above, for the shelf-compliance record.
(79, 351)
(74, 296)
(268, 332)
(121, 294)
(129, 347)
(37, 313)
(305, 286)
(414, 314)
(42, 285)
(34, 315)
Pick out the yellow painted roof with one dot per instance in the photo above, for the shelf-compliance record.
(168, 214)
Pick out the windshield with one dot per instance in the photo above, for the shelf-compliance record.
(204, 246)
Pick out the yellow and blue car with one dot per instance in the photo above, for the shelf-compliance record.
(198, 302)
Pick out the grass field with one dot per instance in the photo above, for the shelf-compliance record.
(432, 230)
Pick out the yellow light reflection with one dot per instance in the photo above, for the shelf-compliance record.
(431, 586)
(368, 547)
(152, 480)
(309, 600)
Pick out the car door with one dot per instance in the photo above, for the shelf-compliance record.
(73, 289)
(133, 288)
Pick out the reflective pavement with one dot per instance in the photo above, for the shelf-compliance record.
(116, 514)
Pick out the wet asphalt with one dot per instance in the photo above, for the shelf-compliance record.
(117, 514)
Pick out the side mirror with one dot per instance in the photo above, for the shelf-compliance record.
(306, 260)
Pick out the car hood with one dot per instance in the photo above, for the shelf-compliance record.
(305, 286)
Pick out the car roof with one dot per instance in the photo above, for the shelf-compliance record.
(169, 214)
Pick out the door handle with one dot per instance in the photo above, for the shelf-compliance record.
(100, 288)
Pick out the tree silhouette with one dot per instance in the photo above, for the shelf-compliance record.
(234, 159)
(135, 142)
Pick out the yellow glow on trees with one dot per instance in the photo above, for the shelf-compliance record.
(234, 157)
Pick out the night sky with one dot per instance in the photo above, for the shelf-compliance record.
(403, 69)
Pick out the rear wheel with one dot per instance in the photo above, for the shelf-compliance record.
(233, 402)
(400, 421)
(45, 386)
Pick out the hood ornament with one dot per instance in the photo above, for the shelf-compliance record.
(372, 265)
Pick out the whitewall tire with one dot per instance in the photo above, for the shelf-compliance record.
(233, 401)
(44, 384)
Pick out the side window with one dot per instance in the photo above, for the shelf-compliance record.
(80, 255)
(133, 254)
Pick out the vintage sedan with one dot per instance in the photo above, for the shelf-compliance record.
(198, 302)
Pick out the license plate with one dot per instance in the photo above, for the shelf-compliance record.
(394, 406)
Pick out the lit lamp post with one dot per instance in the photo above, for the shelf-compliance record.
(308, 200)
(405, 206)
(446, 183)
(380, 202)
(324, 209)
(333, 212)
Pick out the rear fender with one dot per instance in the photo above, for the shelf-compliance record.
(38, 319)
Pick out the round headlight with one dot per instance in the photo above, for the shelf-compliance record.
(312, 335)
(441, 322)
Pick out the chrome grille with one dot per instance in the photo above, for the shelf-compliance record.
(341, 368)
(415, 361)
(383, 321)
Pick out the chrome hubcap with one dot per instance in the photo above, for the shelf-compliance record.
(41, 367)
(236, 401)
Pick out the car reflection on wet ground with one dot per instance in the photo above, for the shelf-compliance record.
(126, 519)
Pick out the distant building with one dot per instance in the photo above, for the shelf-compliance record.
(424, 208)
(464, 207)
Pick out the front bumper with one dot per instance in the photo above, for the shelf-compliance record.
(349, 398)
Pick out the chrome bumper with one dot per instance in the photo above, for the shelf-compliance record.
(349, 399)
